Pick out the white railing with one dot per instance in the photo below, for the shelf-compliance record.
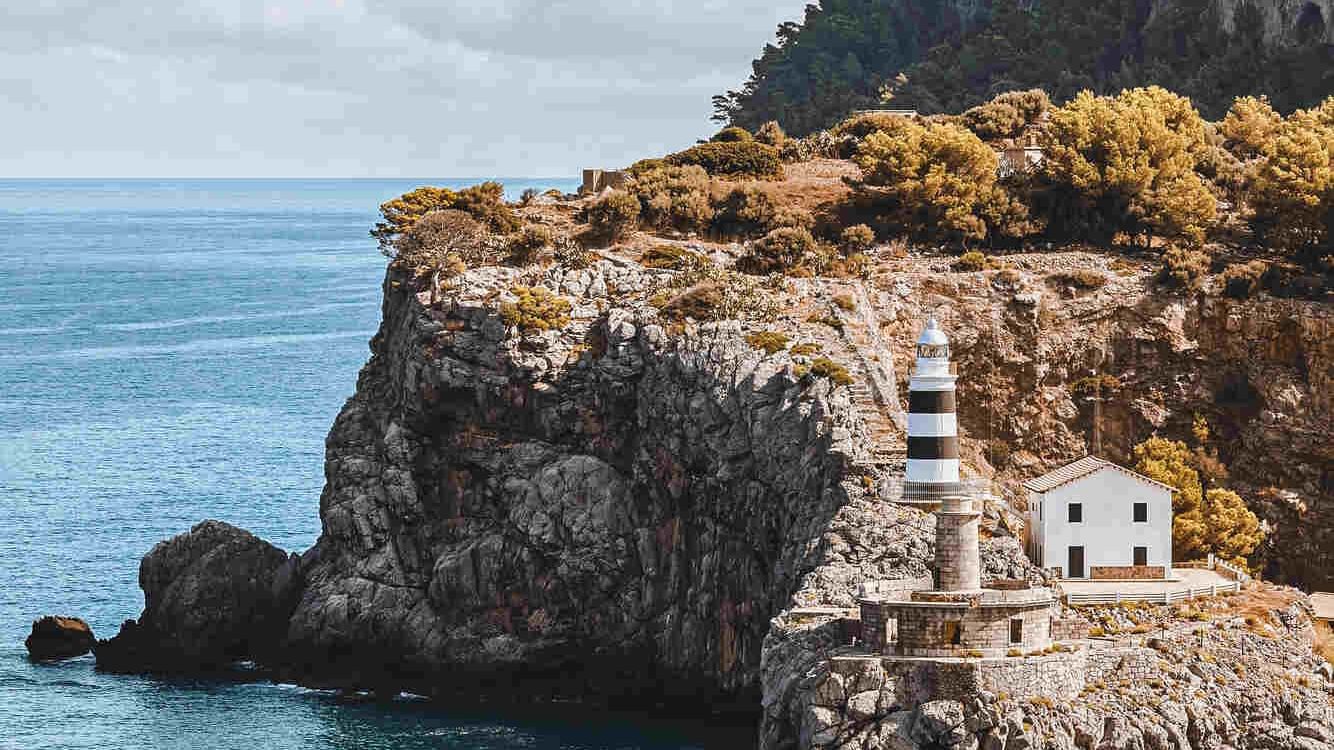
(1237, 574)
(1158, 597)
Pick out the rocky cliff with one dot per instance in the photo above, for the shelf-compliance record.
(628, 507)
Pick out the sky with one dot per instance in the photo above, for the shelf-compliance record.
(345, 88)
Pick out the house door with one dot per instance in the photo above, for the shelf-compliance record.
(1076, 567)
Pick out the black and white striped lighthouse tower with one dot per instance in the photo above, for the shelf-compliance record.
(933, 432)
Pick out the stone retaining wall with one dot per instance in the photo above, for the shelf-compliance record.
(1132, 663)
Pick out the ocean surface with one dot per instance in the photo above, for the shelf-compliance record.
(172, 351)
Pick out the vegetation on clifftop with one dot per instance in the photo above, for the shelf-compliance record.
(946, 56)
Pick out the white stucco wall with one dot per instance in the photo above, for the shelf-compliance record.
(1108, 532)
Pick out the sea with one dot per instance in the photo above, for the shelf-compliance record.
(173, 351)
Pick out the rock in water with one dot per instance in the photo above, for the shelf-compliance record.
(214, 595)
(55, 637)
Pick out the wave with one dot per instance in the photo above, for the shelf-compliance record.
(197, 346)
(157, 325)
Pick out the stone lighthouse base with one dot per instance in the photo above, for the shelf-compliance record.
(907, 681)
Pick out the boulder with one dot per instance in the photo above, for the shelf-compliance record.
(214, 595)
(56, 637)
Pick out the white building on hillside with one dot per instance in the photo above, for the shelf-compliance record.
(1094, 519)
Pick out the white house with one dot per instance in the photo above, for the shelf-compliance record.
(1094, 519)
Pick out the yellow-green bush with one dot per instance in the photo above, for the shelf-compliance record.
(1007, 115)
(398, 215)
(1080, 278)
(936, 182)
(769, 342)
(1250, 124)
(1243, 280)
(1292, 191)
(780, 250)
(536, 309)
(663, 256)
(674, 197)
(735, 160)
(526, 245)
(1184, 268)
(844, 302)
(860, 126)
(746, 211)
(824, 367)
(486, 203)
(974, 260)
(1093, 384)
(805, 350)
(856, 239)
(732, 135)
(1126, 164)
(703, 302)
(614, 215)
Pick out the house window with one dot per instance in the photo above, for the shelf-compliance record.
(1016, 630)
(1141, 512)
(953, 632)
(1141, 555)
(1076, 513)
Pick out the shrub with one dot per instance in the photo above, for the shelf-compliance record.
(771, 134)
(1007, 115)
(860, 126)
(1182, 268)
(824, 367)
(819, 145)
(769, 342)
(1126, 164)
(615, 215)
(780, 250)
(701, 302)
(735, 160)
(528, 196)
(844, 302)
(433, 237)
(525, 245)
(674, 197)
(398, 215)
(856, 239)
(647, 165)
(663, 256)
(1095, 384)
(1080, 278)
(1243, 280)
(937, 181)
(974, 260)
(571, 253)
(536, 309)
(792, 217)
(1014, 652)
(1292, 193)
(486, 203)
(1250, 124)
(745, 211)
(804, 350)
(732, 135)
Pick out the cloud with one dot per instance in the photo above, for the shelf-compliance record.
(342, 87)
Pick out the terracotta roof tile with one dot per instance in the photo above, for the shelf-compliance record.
(1078, 469)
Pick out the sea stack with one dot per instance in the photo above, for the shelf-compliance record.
(933, 432)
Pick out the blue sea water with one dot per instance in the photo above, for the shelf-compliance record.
(172, 351)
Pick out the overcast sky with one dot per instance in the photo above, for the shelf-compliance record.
(402, 88)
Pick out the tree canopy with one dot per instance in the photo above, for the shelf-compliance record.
(947, 56)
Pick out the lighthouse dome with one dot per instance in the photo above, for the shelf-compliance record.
(932, 335)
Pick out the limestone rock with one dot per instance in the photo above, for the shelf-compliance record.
(213, 595)
(56, 637)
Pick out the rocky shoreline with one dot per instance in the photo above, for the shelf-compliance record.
(627, 510)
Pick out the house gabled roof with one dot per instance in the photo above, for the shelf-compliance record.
(1323, 604)
(1080, 469)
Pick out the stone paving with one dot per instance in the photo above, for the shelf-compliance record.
(1182, 579)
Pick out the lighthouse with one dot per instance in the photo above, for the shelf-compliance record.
(933, 432)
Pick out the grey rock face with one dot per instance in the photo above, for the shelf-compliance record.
(213, 595)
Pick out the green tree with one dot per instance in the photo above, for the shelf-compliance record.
(1292, 188)
(1216, 521)
(935, 181)
(398, 215)
(1126, 164)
